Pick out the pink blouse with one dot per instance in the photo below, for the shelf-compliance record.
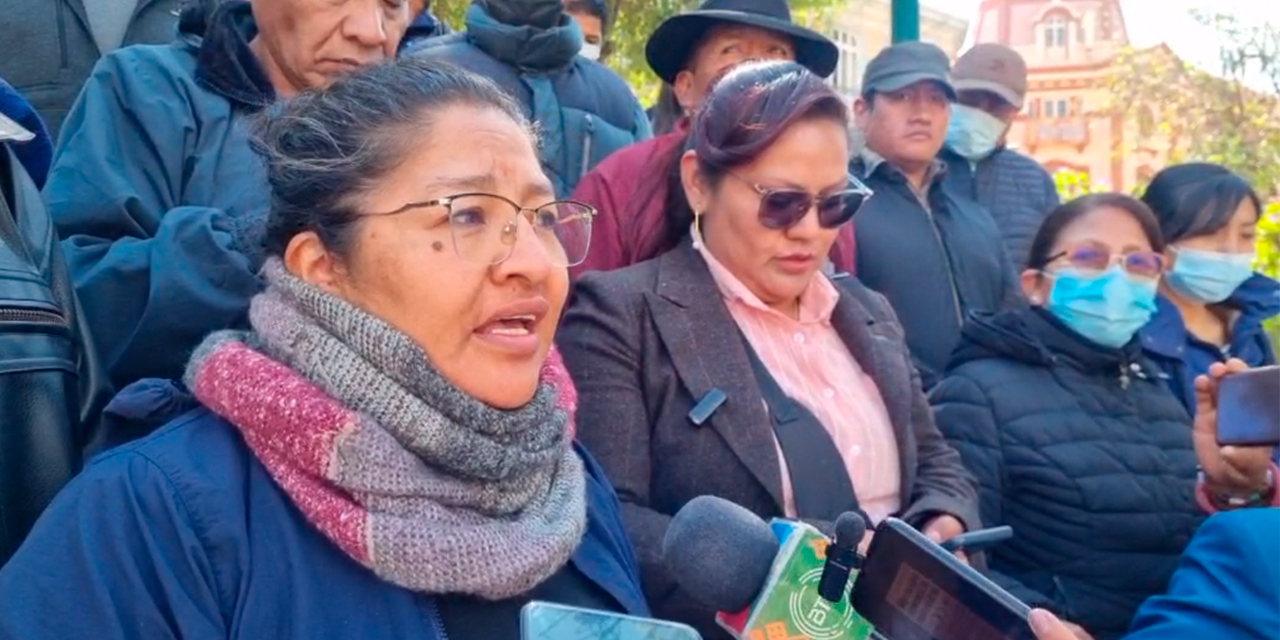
(815, 368)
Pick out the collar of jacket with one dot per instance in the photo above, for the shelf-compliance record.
(870, 161)
(1256, 301)
(528, 49)
(225, 64)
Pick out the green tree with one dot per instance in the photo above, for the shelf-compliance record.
(635, 20)
(1230, 116)
(1216, 116)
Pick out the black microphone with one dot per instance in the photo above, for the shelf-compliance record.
(719, 552)
(842, 556)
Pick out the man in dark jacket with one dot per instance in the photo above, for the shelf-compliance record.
(935, 254)
(584, 111)
(991, 85)
(157, 195)
(48, 47)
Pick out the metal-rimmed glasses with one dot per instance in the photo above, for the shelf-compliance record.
(484, 226)
(781, 209)
(1095, 259)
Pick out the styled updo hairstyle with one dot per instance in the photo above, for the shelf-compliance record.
(324, 149)
(746, 112)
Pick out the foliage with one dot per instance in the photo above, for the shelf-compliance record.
(1214, 117)
(632, 23)
(1073, 184)
(1230, 116)
(1269, 258)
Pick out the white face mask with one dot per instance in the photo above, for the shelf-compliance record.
(974, 133)
(590, 51)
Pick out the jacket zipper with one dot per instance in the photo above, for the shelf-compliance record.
(32, 316)
(433, 612)
(946, 259)
(586, 146)
(62, 33)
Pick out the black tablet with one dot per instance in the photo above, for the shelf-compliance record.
(909, 588)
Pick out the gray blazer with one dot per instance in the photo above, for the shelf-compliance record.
(645, 343)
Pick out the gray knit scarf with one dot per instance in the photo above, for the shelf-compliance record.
(432, 489)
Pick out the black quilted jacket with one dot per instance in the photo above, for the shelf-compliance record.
(1084, 452)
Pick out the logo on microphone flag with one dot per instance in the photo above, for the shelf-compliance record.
(789, 607)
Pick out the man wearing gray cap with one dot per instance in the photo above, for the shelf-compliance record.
(991, 83)
(935, 254)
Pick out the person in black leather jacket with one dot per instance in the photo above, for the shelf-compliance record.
(50, 382)
(1073, 438)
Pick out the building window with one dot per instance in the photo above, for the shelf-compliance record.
(1061, 108)
(845, 79)
(1055, 32)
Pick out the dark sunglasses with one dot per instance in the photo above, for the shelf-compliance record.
(781, 209)
(1096, 259)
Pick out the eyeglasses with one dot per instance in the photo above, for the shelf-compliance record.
(1097, 259)
(483, 226)
(782, 209)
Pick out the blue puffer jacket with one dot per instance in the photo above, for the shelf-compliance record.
(1182, 357)
(183, 534)
(583, 110)
(1084, 452)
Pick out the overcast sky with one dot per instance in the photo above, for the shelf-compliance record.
(1153, 21)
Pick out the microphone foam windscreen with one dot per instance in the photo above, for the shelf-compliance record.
(719, 552)
(850, 529)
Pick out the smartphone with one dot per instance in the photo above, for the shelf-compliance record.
(911, 589)
(1249, 408)
(549, 621)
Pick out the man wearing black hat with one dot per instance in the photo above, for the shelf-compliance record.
(689, 51)
(935, 254)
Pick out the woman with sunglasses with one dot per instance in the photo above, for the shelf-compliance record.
(733, 366)
(1212, 304)
(1075, 440)
(386, 453)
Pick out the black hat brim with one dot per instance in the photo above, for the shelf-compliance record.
(671, 45)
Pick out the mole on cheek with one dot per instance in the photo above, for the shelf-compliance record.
(438, 246)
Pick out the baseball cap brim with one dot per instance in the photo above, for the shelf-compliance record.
(899, 81)
(990, 87)
(673, 43)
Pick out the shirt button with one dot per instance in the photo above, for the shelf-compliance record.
(800, 338)
(855, 450)
(829, 393)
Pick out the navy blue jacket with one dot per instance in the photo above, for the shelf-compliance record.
(1182, 357)
(1084, 452)
(1225, 586)
(183, 534)
(936, 265)
(159, 198)
(584, 111)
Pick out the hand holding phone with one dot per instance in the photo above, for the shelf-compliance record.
(1234, 421)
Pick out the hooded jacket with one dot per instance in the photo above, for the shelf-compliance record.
(583, 110)
(159, 198)
(1181, 356)
(1084, 452)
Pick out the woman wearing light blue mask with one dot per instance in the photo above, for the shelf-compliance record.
(1212, 304)
(1074, 439)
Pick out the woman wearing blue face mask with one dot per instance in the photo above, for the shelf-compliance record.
(1072, 436)
(1212, 304)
